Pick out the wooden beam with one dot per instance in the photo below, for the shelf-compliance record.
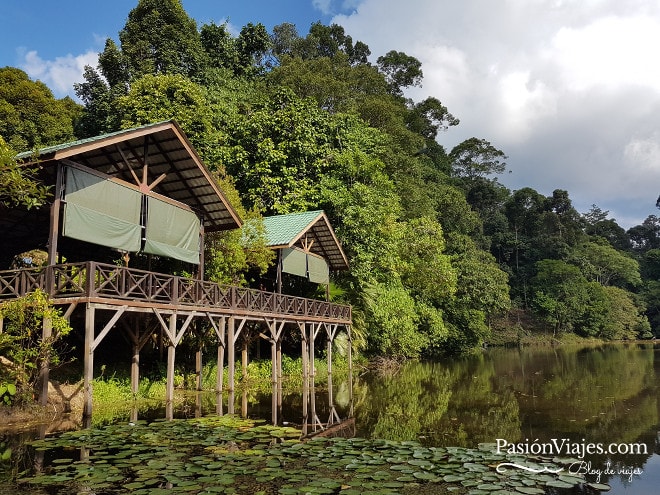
(88, 363)
(44, 371)
(69, 311)
(231, 363)
(108, 327)
(55, 222)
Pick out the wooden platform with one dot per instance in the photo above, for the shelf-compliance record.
(108, 293)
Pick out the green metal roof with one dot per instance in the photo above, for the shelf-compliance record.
(72, 144)
(309, 228)
(158, 153)
(284, 229)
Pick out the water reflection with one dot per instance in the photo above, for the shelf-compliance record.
(605, 395)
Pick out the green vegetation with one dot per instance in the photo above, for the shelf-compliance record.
(22, 346)
(439, 250)
(230, 455)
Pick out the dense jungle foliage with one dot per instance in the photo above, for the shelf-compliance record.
(438, 248)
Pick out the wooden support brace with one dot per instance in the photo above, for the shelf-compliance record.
(108, 327)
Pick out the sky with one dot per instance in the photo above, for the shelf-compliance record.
(568, 89)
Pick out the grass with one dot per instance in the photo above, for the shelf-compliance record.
(113, 397)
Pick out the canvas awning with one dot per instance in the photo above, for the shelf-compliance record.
(309, 245)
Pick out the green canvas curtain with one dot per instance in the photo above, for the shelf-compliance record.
(172, 231)
(299, 263)
(317, 269)
(294, 261)
(101, 211)
(104, 212)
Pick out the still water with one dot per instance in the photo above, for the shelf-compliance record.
(582, 400)
(572, 402)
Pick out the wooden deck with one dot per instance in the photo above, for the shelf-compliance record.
(107, 293)
(110, 284)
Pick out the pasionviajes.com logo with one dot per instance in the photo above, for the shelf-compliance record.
(566, 447)
(577, 450)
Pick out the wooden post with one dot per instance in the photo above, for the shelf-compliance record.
(244, 357)
(88, 362)
(55, 221)
(231, 357)
(273, 404)
(312, 336)
(44, 371)
(221, 368)
(171, 353)
(350, 352)
(304, 350)
(279, 271)
(198, 369)
(244, 403)
(350, 368)
(169, 392)
(135, 368)
(329, 352)
(278, 354)
(305, 404)
(273, 355)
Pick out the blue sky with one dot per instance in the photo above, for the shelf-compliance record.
(568, 89)
(71, 27)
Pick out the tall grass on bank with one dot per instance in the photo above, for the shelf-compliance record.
(113, 397)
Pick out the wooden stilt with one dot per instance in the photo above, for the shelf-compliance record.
(171, 353)
(88, 362)
(244, 357)
(304, 350)
(273, 361)
(312, 336)
(273, 404)
(305, 404)
(221, 368)
(198, 370)
(220, 331)
(231, 358)
(44, 371)
(329, 351)
(278, 355)
(135, 369)
(350, 368)
(169, 392)
(137, 340)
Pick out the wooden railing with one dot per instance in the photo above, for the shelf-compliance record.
(98, 280)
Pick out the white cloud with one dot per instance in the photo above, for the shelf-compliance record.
(59, 74)
(568, 89)
(610, 52)
(324, 6)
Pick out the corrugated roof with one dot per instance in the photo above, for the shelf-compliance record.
(310, 229)
(72, 144)
(165, 149)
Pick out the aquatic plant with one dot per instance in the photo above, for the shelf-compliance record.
(226, 454)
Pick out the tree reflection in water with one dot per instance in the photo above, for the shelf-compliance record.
(603, 394)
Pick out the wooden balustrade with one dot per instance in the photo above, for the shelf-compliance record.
(98, 280)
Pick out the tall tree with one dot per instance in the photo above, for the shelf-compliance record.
(160, 38)
(30, 116)
(401, 71)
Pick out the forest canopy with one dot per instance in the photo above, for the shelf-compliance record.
(439, 249)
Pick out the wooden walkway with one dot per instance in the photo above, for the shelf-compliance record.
(107, 294)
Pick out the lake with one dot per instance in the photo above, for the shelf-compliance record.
(598, 405)
(586, 401)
